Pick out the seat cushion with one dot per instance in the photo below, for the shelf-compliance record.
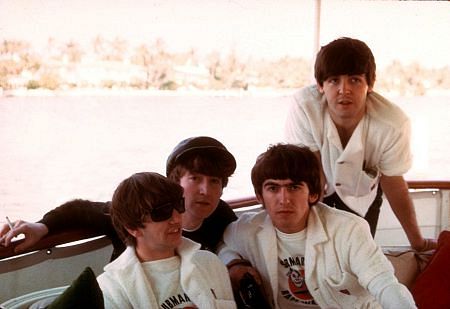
(84, 292)
(39, 297)
(406, 267)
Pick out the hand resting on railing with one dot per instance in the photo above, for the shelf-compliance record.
(33, 233)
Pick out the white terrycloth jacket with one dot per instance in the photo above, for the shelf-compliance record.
(380, 144)
(125, 285)
(340, 255)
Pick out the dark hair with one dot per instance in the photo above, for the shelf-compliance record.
(203, 162)
(136, 196)
(345, 56)
(287, 161)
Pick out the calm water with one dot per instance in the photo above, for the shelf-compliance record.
(54, 149)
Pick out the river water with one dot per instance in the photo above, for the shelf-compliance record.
(56, 148)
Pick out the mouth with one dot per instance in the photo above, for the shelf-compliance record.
(285, 212)
(203, 203)
(345, 101)
(174, 230)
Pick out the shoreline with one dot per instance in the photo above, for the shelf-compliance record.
(148, 92)
(253, 92)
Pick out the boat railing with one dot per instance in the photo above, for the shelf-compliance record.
(49, 258)
(432, 206)
(238, 204)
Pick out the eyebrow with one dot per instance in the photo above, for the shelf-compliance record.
(273, 183)
(292, 183)
(270, 183)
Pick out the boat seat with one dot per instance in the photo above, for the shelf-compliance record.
(34, 300)
(84, 292)
(407, 263)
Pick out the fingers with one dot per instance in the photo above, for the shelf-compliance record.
(24, 245)
(426, 245)
(33, 232)
(255, 275)
(4, 230)
(17, 230)
(29, 229)
(430, 244)
(237, 272)
(5, 234)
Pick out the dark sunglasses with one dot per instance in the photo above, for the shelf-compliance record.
(164, 212)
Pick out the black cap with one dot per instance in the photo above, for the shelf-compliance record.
(203, 144)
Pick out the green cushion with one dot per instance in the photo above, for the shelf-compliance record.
(84, 292)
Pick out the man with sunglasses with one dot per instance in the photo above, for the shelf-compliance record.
(159, 268)
(201, 165)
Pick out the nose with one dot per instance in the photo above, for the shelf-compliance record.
(344, 86)
(284, 196)
(176, 217)
(204, 187)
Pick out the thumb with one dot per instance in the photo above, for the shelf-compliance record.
(19, 248)
(22, 246)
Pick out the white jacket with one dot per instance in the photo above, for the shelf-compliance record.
(379, 144)
(340, 255)
(125, 285)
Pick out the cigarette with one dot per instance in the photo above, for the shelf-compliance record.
(9, 223)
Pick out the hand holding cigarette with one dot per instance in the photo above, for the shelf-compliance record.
(5, 230)
(30, 231)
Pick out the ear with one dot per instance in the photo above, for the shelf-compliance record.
(134, 232)
(259, 198)
(313, 198)
(370, 89)
(320, 88)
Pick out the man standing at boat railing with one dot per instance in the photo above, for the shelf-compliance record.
(309, 255)
(361, 139)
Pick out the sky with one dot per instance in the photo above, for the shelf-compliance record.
(404, 30)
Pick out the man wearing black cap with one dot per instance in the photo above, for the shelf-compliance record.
(201, 165)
